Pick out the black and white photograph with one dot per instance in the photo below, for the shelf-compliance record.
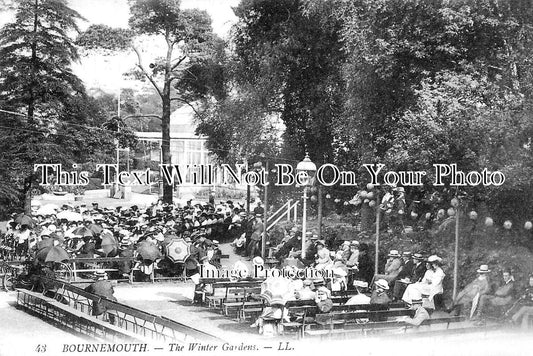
(267, 177)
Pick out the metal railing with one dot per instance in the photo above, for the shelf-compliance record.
(128, 318)
(284, 211)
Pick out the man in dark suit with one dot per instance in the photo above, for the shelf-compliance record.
(420, 268)
(103, 288)
(412, 271)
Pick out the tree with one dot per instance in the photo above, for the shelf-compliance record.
(186, 33)
(35, 56)
(187, 37)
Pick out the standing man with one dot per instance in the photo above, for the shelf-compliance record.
(254, 247)
(103, 288)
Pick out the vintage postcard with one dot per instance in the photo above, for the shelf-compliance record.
(266, 177)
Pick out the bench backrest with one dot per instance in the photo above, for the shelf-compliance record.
(350, 316)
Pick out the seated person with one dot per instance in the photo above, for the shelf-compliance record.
(306, 293)
(404, 277)
(338, 282)
(480, 286)
(323, 260)
(523, 308)
(380, 298)
(275, 312)
(359, 298)
(430, 285)
(392, 267)
(421, 314)
(503, 296)
(379, 295)
(323, 300)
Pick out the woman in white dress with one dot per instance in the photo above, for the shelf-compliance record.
(430, 285)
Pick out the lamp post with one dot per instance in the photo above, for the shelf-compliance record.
(305, 167)
(455, 204)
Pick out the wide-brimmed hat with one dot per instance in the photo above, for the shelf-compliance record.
(394, 253)
(383, 284)
(339, 272)
(355, 243)
(321, 242)
(407, 254)
(360, 284)
(483, 269)
(434, 258)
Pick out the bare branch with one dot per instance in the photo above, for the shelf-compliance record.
(179, 62)
(188, 103)
(142, 116)
(145, 72)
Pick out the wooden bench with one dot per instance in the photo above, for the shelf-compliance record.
(367, 328)
(233, 291)
(328, 322)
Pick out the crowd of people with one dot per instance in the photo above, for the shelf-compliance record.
(91, 232)
(412, 278)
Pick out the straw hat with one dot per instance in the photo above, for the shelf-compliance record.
(394, 253)
(483, 269)
(418, 256)
(383, 284)
(100, 274)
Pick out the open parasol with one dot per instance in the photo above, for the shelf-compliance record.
(24, 219)
(109, 244)
(52, 254)
(45, 243)
(275, 290)
(96, 228)
(148, 251)
(83, 232)
(177, 250)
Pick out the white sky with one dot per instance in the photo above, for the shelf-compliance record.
(106, 72)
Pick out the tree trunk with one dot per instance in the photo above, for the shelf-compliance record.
(31, 110)
(165, 144)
